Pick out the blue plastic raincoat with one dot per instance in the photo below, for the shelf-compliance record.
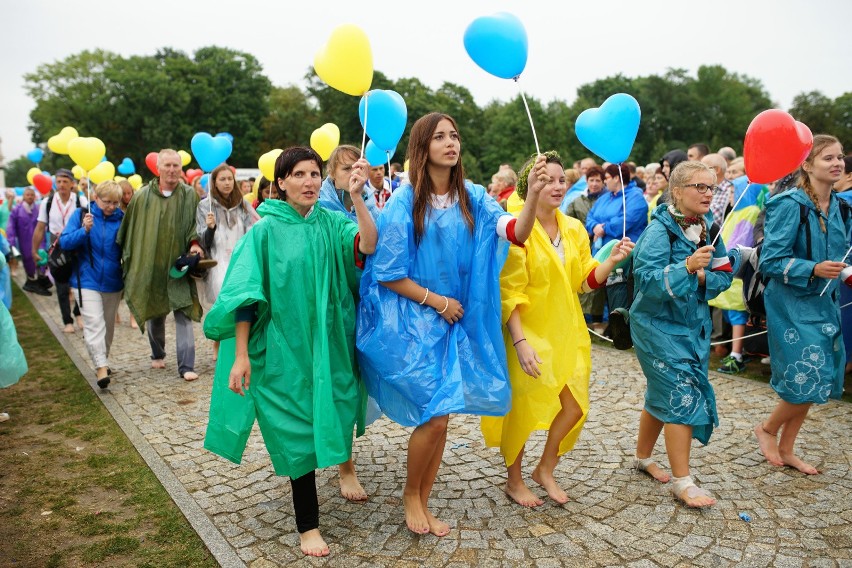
(330, 198)
(805, 340)
(609, 210)
(415, 364)
(13, 363)
(670, 324)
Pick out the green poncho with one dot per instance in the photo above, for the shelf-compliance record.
(305, 391)
(155, 231)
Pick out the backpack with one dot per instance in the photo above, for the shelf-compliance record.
(62, 262)
(754, 282)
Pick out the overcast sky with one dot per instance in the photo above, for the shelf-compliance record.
(790, 45)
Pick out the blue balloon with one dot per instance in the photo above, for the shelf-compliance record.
(377, 156)
(210, 151)
(609, 131)
(386, 116)
(19, 191)
(498, 44)
(205, 179)
(126, 167)
(104, 159)
(35, 155)
(227, 135)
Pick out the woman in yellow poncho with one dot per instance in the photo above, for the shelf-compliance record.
(549, 370)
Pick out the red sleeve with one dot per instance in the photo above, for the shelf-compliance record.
(592, 282)
(510, 233)
(360, 257)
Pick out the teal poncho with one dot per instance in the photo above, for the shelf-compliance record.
(305, 391)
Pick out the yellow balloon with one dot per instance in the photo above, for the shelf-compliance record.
(87, 152)
(119, 178)
(102, 172)
(405, 166)
(185, 158)
(266, 163)
(135, 181)
(58, 144)
(345, 62)
(325, 139)
(31, 173)
(78, 172)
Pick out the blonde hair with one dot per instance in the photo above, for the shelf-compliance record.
(681, 176)
(821, 141)
(109, 190)
(509, 177)
(572, 176)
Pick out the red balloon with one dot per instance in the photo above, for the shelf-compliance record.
(775, 145)
(192, 174)
(151, 162)
(43, 183)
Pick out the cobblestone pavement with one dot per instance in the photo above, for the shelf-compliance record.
(616, 517)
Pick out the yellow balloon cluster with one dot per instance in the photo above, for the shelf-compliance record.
(345, 62)
(325, 139)
(185, 157)
(58, 144)
(135, 181)
(102, 172)
(266, 164)
(78, 172)
(87, 152)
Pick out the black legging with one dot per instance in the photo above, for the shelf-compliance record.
(305, 503)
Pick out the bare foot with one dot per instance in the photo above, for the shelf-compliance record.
(133, 323)
(351, 488)
(69, 328)
(80, 322)
(158, 364)
(695, 497)
(545, 479)
(312, 543)
(436, 527)
(522, 495)
(768, 445)
(657, 473)
(793, 461)
(415, 517)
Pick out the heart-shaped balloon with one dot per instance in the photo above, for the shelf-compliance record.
(386, 115)
(376, 156)
(126, 167)
(35, 155)
(185, 157)
(119, 178)
(135, 181)
(58, 144)
(151, 162)
(192, 174)
(498, 44)
(78, 172)
(205, 181)
(227, 135)
(345, 62)
(31, 173)
(325, 139)
(86, 152)
(266, 163)
(775, 145)
(609, 131)
(102, 172)
(43, 183)
(210, 151)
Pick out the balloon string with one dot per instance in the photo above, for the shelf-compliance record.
(827, 284)
(364, 136)
(623, 205)
(728, 216)
(529, 116)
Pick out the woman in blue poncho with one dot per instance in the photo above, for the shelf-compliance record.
(805, 341)
(676, 272)
(429, 337)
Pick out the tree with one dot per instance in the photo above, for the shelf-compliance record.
(286, 125)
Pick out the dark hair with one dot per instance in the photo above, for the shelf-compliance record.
(232, 199)
(288, 159)
(848, 161)
(593, 171)
(704, 149)
(612, 170)
(261, 185)
(418, 155)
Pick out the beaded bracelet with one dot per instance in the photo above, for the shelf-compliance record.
(425, 297)
(686, 265)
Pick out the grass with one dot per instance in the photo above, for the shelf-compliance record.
(70, 476)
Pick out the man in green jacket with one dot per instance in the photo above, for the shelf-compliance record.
(158, 227)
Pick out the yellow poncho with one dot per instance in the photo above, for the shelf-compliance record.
(545, 290)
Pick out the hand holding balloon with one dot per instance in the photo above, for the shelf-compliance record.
(211, 221)
(622, 250)
(358, 178)
(700, 258)
(829, 269)
(88, 221)
(538, 177)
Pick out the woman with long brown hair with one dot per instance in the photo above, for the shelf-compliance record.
(221, 219)
(429, 333)
(805, 340)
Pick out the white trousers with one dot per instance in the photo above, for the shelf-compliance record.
(98, 311)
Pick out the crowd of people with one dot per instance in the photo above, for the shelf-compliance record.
(332, 300)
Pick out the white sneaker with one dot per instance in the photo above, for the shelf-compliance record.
(4, 416)
(765, 360)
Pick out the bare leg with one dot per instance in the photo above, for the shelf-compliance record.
(312, 543)
(421, 450)
(678, 445)
(649, 432)
(767, 431)
(564, 421)
(350, 487)
(215, 351)
(516, 488)
(788, 439)
(436, 527)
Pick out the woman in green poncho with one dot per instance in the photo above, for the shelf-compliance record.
(288, 301)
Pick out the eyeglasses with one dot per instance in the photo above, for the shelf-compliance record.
(702, 187)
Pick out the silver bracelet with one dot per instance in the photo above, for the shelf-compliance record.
(425, 297)
(446, 305)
